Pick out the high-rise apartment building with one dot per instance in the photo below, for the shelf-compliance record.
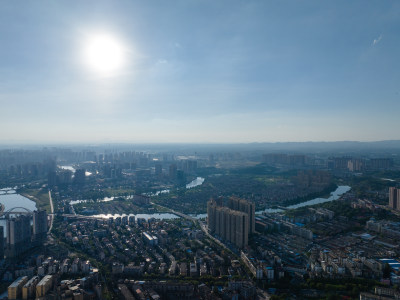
(189, 165)
(158, 169)
(233, 223)
(211, 214)
(245, 206)
(380, 163)
(80, 176)
(39, 225)
(172, 171)
(18, 235)
(1, 242)
(394, 198)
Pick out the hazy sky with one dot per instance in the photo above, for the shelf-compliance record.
(200, 71)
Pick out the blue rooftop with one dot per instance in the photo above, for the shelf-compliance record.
(389, 261)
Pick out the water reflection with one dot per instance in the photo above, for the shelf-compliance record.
(159, 216)
(198, 181)
(342, 189)
(15, 200)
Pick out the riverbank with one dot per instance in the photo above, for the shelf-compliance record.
(115, 207)
(124, 204)
(158, 216)
(325, 193)
(155, 210)
(40, 197)
(335, 195)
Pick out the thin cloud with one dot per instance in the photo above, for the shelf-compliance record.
(376, 41)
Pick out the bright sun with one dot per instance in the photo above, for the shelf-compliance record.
(104, 54)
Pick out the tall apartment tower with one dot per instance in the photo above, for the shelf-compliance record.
(211, 214)
(1, 242)
(18, 235)
(80, 176)
(394, 198)
(231, 225)
(158, 169)
(238, 228)
(172, 171)
(39, 225)
(245, 206)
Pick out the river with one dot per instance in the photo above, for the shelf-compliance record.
(72, 169)
(196, 182)
(15, 200)
(160, 216)
(336, 194)
(342, 189)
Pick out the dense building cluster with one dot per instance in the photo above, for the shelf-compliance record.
(394, 198)
(354, 164)
(41, 280)
(20, 237)
(233, 222)
(100, 247)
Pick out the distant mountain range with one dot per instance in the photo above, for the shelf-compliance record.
(389, 146)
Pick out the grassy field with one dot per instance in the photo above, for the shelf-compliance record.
(41, 197)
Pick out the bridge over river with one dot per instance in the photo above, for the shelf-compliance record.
(4, 192)
(13, 211)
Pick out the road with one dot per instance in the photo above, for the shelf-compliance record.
(52, 212)
(194, 220)
(81, 217)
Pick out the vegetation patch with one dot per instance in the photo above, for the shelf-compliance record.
(40, 196)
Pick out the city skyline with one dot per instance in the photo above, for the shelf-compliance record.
(199, 71)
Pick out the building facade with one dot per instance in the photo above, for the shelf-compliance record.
(394, 198)
(1, 242)
(245, 206)
(39, 225)
(232, 223)
(18, 235)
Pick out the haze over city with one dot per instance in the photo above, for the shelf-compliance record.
(199, 71)
(199, 150)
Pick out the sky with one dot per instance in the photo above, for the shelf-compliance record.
(204, 71)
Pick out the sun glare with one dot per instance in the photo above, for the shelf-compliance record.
(104, 54)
